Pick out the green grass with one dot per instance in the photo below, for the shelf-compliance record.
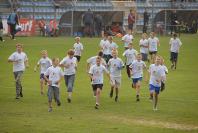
(178, 104)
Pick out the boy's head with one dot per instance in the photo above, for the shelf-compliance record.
(110, 38)
(114, 53)
(98, 60)
(55, 61)
(77, 39)
(157, 60)
(19, 47)
(139, 57)
(130, 45)
(152, 34)
(70, 53)
(144, 35)
(100, 53)
(174, 35)
(44, 53)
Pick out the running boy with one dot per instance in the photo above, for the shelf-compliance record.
(44, 64)
(115, 65)
(103, 41)
(128, 38)
(20, 61)
(175, 44)
(96, 75)
(153, 42)
(92, 61)
(137, 67)
(144, 47)
(108, 47)
(157, 75)
(55, 75)
(70, 66)
(78, 48)
(130, 55)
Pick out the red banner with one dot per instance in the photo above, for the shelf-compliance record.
(27, 27)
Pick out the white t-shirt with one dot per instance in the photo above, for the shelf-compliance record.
(92, 61)
(137, 68)
(97, 72)
(20, 58)
(71, 63)
(153, 42)
(143, 42)
(156, 73)
(175, 45)
(78, 47)
(115, 65)
(130, 55)
(108, 47)
(102, 42)
(55, 74)
(127, 39)
(44, 63)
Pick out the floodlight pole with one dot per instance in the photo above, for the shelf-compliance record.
(152, 16)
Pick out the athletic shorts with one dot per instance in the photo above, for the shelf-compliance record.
(130, 26)
(53, 91)
(42, 76)
(173, 56)
(135, 80)
(95, 86)
(77, 57)
(152, 52)
(107, 58)
(153, 88)
(144, 56)
(116, 81)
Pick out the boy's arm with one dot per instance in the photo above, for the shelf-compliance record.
(35, 68)
(26, 63)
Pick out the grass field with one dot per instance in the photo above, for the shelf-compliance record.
(178, 104)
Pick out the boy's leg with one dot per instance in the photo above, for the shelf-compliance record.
(155, 101)
(117, 85)
(42, 85)
(18, 76)
(138, 90)
(97, 98)
(71, 79)
(50, 95)
(57, 95)
(112, 87)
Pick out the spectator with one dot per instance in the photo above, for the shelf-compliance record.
(173, 22)
(88, 22)
(1, 30)
(131, 20)
(12, 21)
(98, 24)
(53, 27)
(42, 26)
(146, 20)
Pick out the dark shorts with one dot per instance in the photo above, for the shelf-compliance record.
(130, 26)
(144, 56)
(95, 86)
(107, 57)
(154, 88)
(42, 76)
(135, 80)
(152, 52)
(173, 56)
(77, 57)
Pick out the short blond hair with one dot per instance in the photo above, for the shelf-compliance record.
(19, 44)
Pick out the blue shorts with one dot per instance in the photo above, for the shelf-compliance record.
(42, 76)
(154, 88)
(135, 80)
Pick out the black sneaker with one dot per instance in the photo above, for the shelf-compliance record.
(68, 100)
(17, 97)
(137, 98)
(96, 106)
(21, 94)
(58, 103)
(111, 94)
(116, 99)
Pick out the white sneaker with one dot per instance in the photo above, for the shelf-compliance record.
(155, 109)
(50, 109)
(3, 40)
